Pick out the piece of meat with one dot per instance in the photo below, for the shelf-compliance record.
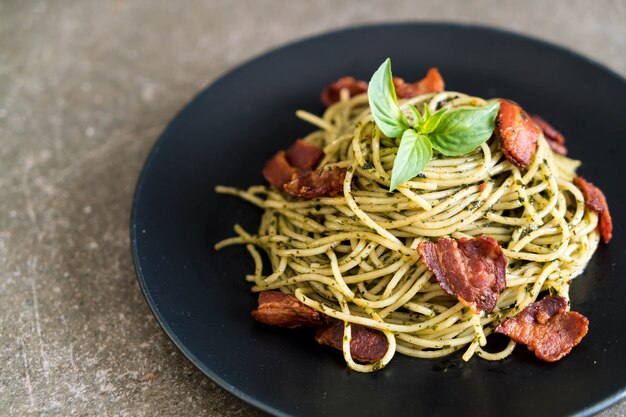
(367, 345)
(292, 172)
(473, 270)
(278, 171)
(554, 138)
(285, 310)
(313, 184)
(595, 200)
(546, 328)
(557, 147)
(304, 155)
(517, 133)
(330, 94)
(431, 83)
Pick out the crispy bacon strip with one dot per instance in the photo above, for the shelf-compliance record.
(367, 345)
(293, 172)
(431, 83)
(304, 155)
(278, 171)
(517, 133)
(595, 200)
(330, 94)
(473, 270)
(554, 138)
(312, 184)
(546, 328)
(285, 310)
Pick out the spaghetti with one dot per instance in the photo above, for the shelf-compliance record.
(353, 257)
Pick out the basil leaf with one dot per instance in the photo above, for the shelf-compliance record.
(461, 131)
(381, 95)
(417, 116)
(413, 154)
(432, 122)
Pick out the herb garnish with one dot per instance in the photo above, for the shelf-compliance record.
(450, 132)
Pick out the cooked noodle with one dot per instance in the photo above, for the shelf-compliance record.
(353, 257)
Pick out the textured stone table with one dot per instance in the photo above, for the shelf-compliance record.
(85, 89)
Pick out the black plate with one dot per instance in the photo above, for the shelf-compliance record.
(225, 135)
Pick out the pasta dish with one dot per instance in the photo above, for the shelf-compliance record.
(417, 220)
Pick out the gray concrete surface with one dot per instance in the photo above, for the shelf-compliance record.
(85, 89)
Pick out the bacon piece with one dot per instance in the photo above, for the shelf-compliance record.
(285, 310)
(330, 94)
(473, 270)
(595, 200)
(312, 184)
(517, 133)
(292, 172)
(303, 155)
(546, 328)
(278, 171)
(554, 138)
(367, 345)
(557, 147)
(431, 83)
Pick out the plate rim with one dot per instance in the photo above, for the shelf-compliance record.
(612, 399)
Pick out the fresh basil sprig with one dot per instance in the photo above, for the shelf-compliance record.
(413, 154)
(383, 103)
(463, 130)
(450, 132)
